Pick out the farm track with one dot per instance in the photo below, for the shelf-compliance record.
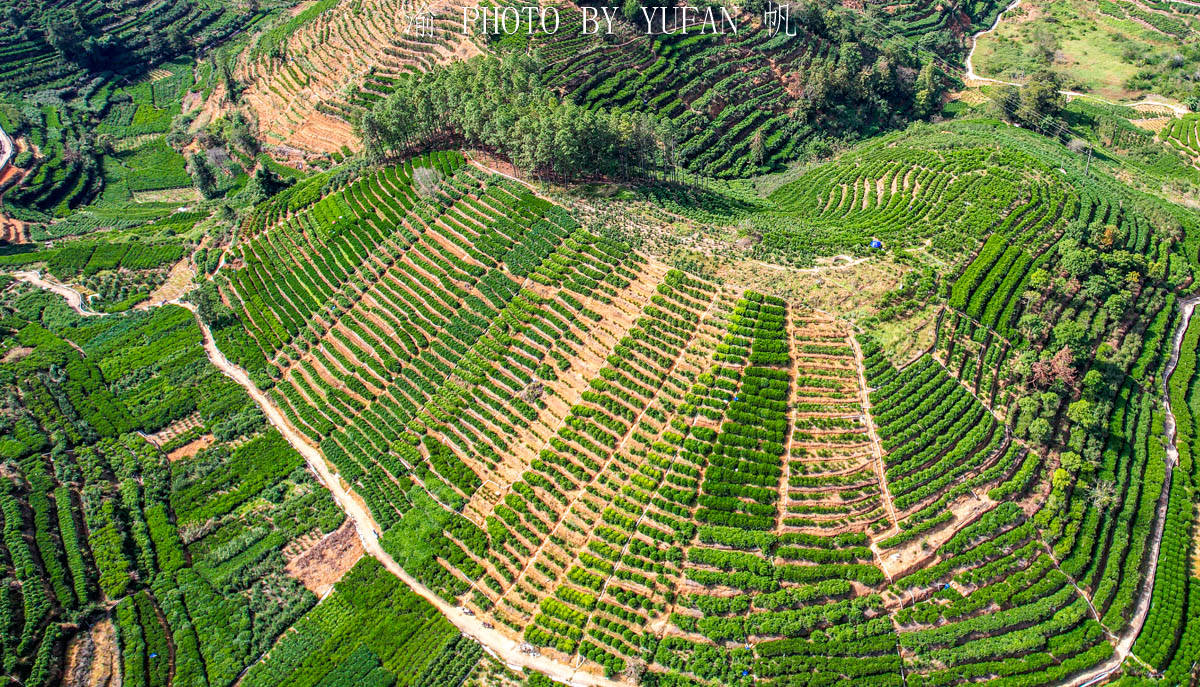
(876, 446)
(970, 74)
(974, 79)
(1141, 609)
(6, 149)
(498, 644)
(73, 297)
(505, 648)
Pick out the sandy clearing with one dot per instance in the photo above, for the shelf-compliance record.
(92, 658)
(171, 195)
(321, 565)
(16, 353)
(191, 448)
(179, 281)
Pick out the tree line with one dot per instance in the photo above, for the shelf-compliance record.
(502, 105)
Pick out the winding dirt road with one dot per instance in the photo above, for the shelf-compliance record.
(499, 645)
(972, 78)
(1187, 306)
(505, 648)
(970, 74)
(1130, 635)
(73, 297)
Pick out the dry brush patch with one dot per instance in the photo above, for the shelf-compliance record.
(321, 564)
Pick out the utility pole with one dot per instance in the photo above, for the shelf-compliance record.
(1087, 165)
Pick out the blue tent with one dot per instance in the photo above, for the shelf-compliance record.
(876, 243)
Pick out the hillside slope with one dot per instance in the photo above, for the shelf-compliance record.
(642, 467)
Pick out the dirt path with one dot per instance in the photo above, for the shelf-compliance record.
(785, 482)
(972, 78)
(481, 166)
(1187, 307)
(505, 648)
(6, 149)
(1125, 644)
(876, 446)
(837, 262)
(73, 297)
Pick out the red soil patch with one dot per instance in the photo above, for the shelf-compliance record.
(191, 448)
(320, 566)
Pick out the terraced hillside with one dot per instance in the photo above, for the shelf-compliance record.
(308, 78)
(744, 103)
(340, 347)
(102, 140)
(939, 26)
(760, 97)
(1184, 134)
(652, 471)
(47, 45)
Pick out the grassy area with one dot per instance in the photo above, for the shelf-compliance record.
(1095, 52)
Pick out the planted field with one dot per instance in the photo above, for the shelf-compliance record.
(114, 522)
(153, 489)
(45, 45)
(737, 103)
(734, 99)
(98, 147)
(1184, 134)
(832, 476)
(370, 631)
(58, 181)
(630, 465)
(905, 189)
(637, 471)
(1170, 638)
(769, 357)
(921, 19)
